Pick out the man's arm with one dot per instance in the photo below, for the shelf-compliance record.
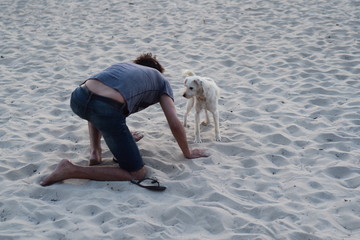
(177, 128)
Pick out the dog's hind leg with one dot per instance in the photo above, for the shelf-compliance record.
(217, 130)
(207, 120)
(189, 106)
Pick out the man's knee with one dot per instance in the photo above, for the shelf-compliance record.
(139, 174)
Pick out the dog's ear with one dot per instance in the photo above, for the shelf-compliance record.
(188, 73)
(198, 82)
(185, 81)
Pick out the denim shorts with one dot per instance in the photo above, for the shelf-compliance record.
(109, 117)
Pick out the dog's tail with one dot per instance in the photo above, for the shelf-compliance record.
(187, 73)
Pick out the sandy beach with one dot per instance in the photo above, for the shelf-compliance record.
(288, 167)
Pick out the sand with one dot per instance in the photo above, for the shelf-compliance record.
(288, 165)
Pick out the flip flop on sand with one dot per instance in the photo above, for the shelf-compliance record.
(148, 181)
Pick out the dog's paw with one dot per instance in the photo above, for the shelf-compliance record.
(197, 140)
(218, 139)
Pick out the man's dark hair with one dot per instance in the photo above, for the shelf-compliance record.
(147, 59)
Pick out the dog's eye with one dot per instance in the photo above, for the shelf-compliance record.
(191, 88)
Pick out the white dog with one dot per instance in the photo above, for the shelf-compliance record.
(204, 93)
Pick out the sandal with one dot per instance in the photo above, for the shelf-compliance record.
(156, 187)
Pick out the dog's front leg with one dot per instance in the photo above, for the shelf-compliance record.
(189, 106)
(197, 127)
(217, 130)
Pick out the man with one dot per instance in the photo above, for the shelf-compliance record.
(105, 100)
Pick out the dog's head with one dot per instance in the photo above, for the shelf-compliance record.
(193, 86)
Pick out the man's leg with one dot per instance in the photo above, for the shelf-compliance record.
(95, 145)
(66, 170)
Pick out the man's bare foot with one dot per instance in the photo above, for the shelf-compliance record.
(137, 136)
(61, 172)
(95, 158)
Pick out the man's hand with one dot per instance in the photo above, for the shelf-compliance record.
(198, 153)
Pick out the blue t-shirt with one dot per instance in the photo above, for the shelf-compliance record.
(140, 86)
